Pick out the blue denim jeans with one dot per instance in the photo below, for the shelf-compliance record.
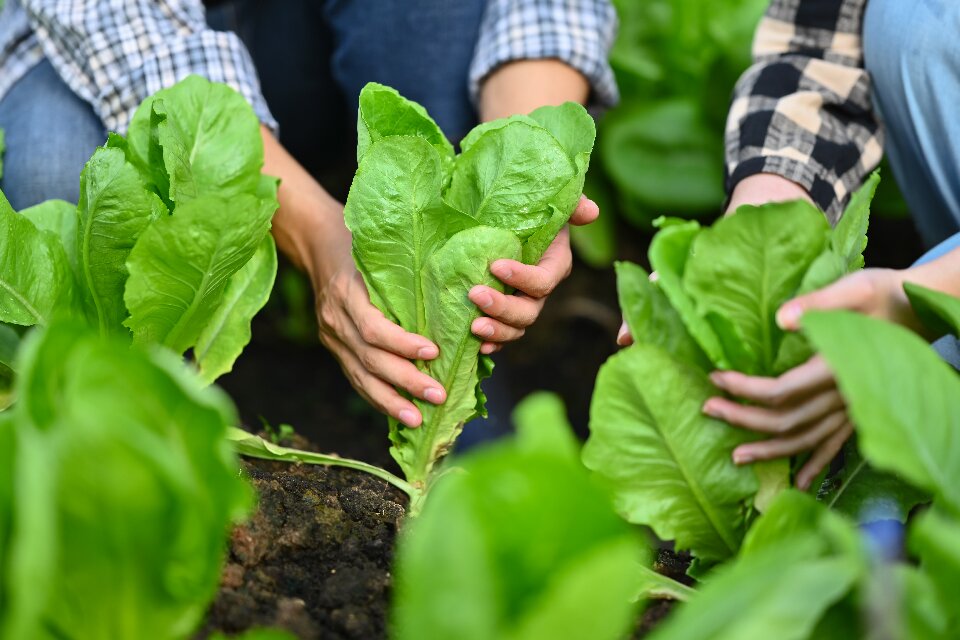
(912, 51)
(314, 56)
(50, 134)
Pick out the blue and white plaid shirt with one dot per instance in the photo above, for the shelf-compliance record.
(115, 53)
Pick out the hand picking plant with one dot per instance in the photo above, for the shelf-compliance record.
(427, 223)
(713, 306)
(169, 243)
(804, 570)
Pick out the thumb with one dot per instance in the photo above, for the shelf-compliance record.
(839, 295)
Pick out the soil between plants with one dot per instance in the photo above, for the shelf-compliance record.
(315, 558)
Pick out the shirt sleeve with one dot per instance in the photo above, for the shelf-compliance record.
(803, 110)
(114, 54)
(577, 32)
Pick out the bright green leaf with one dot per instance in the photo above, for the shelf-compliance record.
(669, 464)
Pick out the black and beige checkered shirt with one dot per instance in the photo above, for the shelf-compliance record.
(803, 110)
(115, 53)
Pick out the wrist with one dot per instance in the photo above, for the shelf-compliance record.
(762, 188)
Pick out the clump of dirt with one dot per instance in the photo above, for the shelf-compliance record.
(315, 558)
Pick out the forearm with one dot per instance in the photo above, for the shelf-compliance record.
(942, 274)
(525, 85)
(308, 227)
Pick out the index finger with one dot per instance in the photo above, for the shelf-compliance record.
(798, 383)
(377, 331)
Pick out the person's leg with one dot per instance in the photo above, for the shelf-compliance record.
(421, 48)
(50, 135)
(913, 55)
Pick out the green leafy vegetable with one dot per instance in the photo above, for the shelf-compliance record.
(169, 239)
(669, 463)
(866, 494)
(35, 273)
(520, 545)
(118, 486)
(426, 225)
(713, 305)
(913, 436)
(938, 311)
(797, 561)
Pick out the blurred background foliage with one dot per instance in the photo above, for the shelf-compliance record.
(660, 151)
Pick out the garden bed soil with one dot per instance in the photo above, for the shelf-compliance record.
(315, 558)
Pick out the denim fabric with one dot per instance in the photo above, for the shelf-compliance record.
(314, 57)
(912, 50)
(50, 134)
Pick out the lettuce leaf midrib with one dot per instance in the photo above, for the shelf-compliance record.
(728, 537)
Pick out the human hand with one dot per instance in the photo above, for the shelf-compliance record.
(508, 316)
(802, 410)
(374, 353)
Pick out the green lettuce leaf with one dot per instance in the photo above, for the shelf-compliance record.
(652, 319)
(35, 273)
(669, 253)
(180, 266)
(114, 210)
(227, 331)
(205, 138)
(744, 267)
(913, 432)
(508, 177)
(938, 311)
(935, 538)
(60, 218)
(384, 112)
(398, 220)
(116, 451)
(797, 561)
(669, 464)
(866, 494)
(485, 562)
(464, 261)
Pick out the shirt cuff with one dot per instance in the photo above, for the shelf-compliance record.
(215, 55)
(580, 37)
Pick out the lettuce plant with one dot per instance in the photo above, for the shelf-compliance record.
(427, 223)
(523, 544)
(169, 243)
(712, 306)
(117, 486)
(803, 570)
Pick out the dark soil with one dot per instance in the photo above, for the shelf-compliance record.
(315, 558)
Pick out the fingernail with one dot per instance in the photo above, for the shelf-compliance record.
(408, 418)
(427, 353)
(622, 334)
(484, 300)
(742, 457)
(789, 316)
(802, 483)
(711, 410)
(716, 377)
(485, 331)
(501, 270)
(433, 395)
